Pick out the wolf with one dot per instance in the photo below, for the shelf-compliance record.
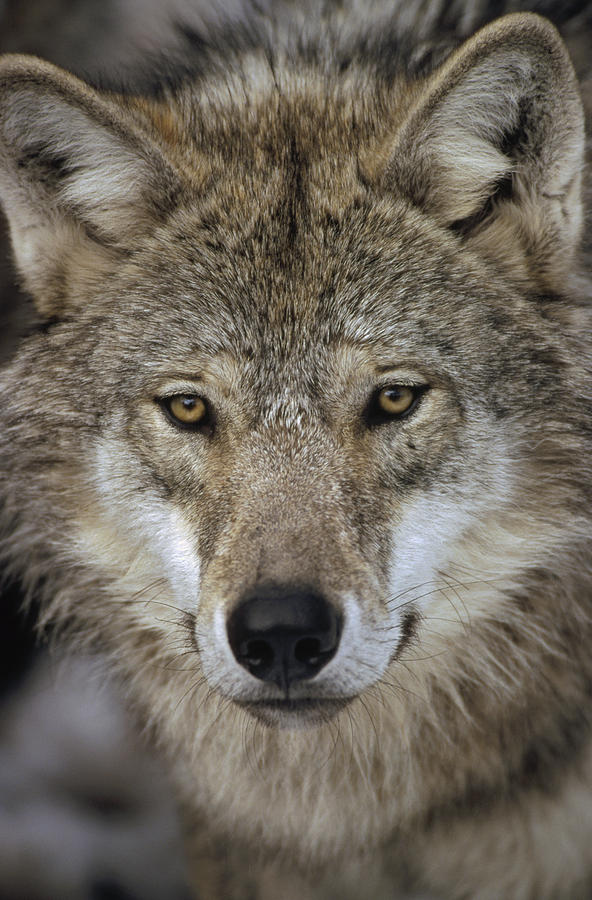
(301, 440)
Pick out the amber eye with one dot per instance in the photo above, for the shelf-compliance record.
(187, 410)
(395, 399)
(394, 402)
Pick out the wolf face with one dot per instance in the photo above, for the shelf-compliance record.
(309, 414)
(297, 480)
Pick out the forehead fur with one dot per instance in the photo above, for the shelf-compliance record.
(280, 226)
(347, 301)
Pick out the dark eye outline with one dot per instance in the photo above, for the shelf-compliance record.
(375, 415)
(205, 425)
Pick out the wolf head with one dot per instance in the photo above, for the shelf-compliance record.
(308, 397)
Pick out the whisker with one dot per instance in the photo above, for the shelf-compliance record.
(196, 684)
(415, 587)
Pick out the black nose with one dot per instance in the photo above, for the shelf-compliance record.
(284, 635)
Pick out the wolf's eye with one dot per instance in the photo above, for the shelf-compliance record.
(394, 402)
(186, 410)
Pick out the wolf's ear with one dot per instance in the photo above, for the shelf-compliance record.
(78, 179)
(493, 148)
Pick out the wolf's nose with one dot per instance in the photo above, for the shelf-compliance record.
(284, 635)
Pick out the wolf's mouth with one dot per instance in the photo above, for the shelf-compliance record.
(302, 713)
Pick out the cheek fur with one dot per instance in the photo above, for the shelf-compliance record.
(429, 541)
(421, 542)
(137, 532)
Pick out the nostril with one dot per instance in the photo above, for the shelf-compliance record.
(256, 654)
(308, 650)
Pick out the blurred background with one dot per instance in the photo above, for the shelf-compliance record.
(85, 810)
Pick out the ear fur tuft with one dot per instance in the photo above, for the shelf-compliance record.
(493, 148)
(77, 177)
